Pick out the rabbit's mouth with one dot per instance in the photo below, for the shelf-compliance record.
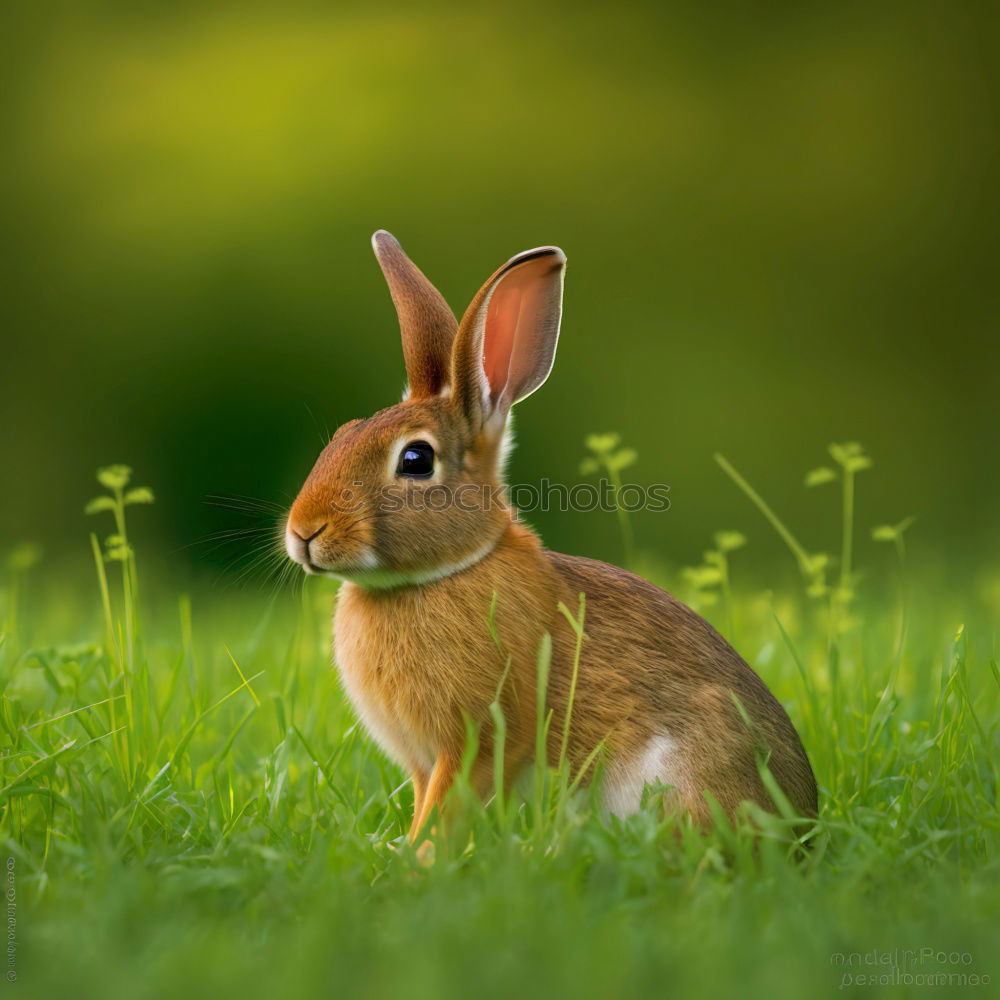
(320, 554)
(341, 569)
(344, 570)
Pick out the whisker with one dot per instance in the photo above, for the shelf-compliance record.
(245, 504)
(323, 440)
(220, 538)
(257, 557)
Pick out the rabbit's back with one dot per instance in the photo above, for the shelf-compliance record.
(659, 681)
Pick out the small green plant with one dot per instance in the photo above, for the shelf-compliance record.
(893, 533)
(710, 580)
(128, 675)
(115, 478)
(851, 459)
(608, 456)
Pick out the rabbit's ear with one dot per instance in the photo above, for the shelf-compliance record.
(506, 342)
(426, 322)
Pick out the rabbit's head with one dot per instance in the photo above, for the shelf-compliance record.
(414, 492)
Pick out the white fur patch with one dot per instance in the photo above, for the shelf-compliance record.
(388, 579)
(506, 444)
(625, 780)
(292, 546)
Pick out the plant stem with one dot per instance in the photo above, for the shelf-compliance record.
(726, 594)
(541, 723)
(758, 501)
(577, 626)
(848, 531)
(625, 525)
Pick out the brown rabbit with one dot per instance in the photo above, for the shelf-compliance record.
(407, 507)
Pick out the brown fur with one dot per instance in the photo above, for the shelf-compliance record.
(417, 658)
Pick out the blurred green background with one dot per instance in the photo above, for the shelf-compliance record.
(781, 223)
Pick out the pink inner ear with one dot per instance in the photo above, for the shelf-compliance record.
(500, 334)
(521, 327)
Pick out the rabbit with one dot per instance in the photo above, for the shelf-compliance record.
(407, 508)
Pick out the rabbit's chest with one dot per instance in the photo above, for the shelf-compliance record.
(410, 680)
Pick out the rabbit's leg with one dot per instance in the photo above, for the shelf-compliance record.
(419, 796)
(441, 779)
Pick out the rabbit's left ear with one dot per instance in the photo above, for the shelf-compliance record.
(426, 321)
(506, 342)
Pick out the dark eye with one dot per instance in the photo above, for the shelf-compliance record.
(417, 461)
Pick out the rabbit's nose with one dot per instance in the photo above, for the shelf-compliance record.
(308, 538)
(297, 539)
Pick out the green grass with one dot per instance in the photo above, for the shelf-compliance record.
(190, 808)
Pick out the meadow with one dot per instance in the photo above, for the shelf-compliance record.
(189, 807)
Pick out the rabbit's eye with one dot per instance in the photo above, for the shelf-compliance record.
(416, 461)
